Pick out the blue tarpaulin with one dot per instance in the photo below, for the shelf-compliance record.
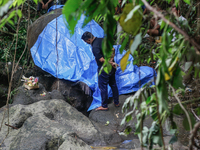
(72, 59)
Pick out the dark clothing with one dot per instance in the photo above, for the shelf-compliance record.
(143, 7)
(97, 50)
(104, 79)
(160, 31)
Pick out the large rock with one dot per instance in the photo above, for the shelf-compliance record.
(114, 116)
(59, 89)
(25, 97)
(77, 94)
(37, 27)
(47, 125)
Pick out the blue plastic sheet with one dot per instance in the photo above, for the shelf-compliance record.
(72, 59)
(55, 7)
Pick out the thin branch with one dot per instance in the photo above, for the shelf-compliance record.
(13, 34)
(195, 115)
(6, 32)
(193, 134)
(10, 83)
(11, 126)
(179, 101)
(187, 37)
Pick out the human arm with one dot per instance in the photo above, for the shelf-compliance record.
(46, 5)
(42, 4)
(111, 60)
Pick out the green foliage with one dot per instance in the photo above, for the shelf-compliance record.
(99, 19)
(186, 122)
(8, 27)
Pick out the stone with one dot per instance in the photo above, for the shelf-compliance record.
(46, 125)
(37, 27)
(25, 97)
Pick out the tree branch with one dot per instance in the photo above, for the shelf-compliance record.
(179, 101)
(193, 134)
(187, 37)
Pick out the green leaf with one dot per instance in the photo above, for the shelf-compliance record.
(186, 123)
(4, 6)
(176, 2)
(188, 65)
(11, 22)
(177, 110)
(3, 2)
(162, 25)
(173, 139)
(148, 100)
(107, 123)
(128, 130)
(36, 1)
(107, 68)
(136, 42)
(178, 79)
(157, 140)
(128, 118)
(187, 1)
(19, 13)
(71, 13)
(123, 45)
(198, 111)
(131, 13)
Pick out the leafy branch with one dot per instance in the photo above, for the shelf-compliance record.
(187, 37)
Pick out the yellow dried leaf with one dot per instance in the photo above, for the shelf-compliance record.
(167, 77)
(123, 62)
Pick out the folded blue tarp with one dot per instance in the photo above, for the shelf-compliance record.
(72, 59)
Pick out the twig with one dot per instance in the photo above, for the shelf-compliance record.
(195, 115)
(179, 101)
(187, 37)
(10, 83)
(30, 7)
(188, 101)
(11, 126)
(6, 32)
(193, 134)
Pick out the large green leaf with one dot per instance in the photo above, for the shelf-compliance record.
(123, 45)
(131, 13)
(4, 6)
(177, 110)
(71, 13)
(3, 2)
(186, 123)
(187, 1)
(173, 139)
(177, 78)
(136, 42)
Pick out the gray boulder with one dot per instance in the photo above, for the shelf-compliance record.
(47, 125)
(25, 97)
(37, 27)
